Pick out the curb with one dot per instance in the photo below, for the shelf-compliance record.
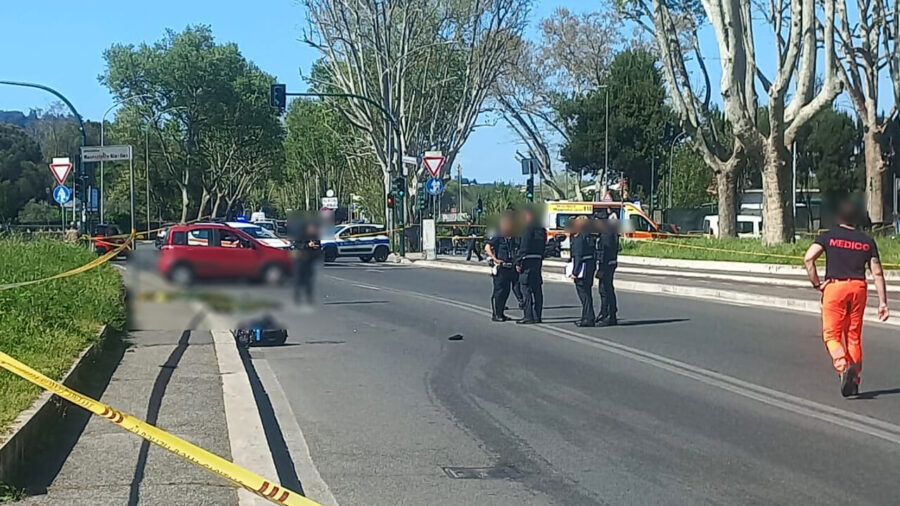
(246, 434)
(728, 296)
(38, 426)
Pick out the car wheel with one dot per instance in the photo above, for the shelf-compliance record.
(331, 254)
(366, 258)
(381, 254)
(273, 274)
(182, 275)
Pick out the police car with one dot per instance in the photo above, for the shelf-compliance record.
(362, 240)
(261, 234)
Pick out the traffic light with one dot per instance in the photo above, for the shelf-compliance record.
(278, 96)
(479, 207)
(399, 187)
(529, 189)
(390, 201)
(421, 197)
(654, 201)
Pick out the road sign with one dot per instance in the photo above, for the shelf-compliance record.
(529, 166)
(105, 154)
(62, 194)
(433, 163)
(60, 169)
(329, 202)
(410, 160)
(434, 186)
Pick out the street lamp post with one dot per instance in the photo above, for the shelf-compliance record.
(147, 158)
(669, 182)
(605, 146)
(102, 140)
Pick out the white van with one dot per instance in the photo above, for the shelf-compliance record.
(747, 225)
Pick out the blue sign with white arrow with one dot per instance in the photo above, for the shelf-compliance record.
(62, 194)
(434, 186)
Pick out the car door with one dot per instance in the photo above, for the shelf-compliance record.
(368, 239)
(236, 254)
(347, 241)
(198, 252)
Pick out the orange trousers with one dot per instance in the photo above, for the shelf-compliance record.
(843, 305)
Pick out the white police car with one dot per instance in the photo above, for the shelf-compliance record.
(363, 240)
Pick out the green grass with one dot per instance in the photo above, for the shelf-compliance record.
(743, 250)
(48, 324)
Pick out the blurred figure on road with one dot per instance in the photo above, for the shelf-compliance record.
(607, 252)
(473, 239)
(307, 246)
(529, 263)
(502, 249)
(583, 268)
(847, 253)
(72, 234)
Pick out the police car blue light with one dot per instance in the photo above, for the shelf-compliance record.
(365, 241)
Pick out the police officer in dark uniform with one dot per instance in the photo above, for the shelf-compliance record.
(583, 267)
(473, 236)
(529, 263)
(502, 250)
(607, 252)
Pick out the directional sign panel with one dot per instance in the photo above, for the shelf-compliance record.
(62, 194)
(434, 164)
(105, 153)
(434, 186)
(60, 169)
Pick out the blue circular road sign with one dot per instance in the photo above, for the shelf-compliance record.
(434, 186)
(62, 194)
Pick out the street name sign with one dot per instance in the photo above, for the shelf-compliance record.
(105, 154)
(60, 167)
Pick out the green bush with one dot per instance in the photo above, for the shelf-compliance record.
(744, 250)
(48, 324)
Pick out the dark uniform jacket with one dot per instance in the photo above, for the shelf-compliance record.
(505, 249)
(533, 244)
(582, 248)
(608, 248)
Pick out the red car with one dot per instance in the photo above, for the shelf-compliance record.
(107, 238)
(215, 251)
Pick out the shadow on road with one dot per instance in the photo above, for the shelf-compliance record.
(658, 321)
(354, 302)
(874, 394)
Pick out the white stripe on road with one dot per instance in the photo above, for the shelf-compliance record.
(798, 405)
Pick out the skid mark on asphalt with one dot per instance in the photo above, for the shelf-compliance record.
(775, 398)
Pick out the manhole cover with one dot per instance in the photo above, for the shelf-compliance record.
(482, 473)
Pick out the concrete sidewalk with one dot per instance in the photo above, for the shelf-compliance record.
(169, 377)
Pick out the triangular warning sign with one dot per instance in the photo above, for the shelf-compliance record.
(434, 164)
(60, 171)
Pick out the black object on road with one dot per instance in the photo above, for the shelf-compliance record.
(260, 332)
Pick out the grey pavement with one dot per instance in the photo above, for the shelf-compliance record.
(168, 377)
(687, 402)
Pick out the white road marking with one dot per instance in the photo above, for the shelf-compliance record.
(798, 405)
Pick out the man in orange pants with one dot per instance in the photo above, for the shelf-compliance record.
(847, 253)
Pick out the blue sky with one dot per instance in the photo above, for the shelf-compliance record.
(60, 43)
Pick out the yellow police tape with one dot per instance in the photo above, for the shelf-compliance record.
(192, 453)
(109, 255)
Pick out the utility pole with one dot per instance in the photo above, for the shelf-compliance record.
(460, 203)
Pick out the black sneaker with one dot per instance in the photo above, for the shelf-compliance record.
(848, 381)
(589, 323)
(525, 321)
(609, 322)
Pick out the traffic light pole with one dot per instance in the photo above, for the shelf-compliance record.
(80, 174)
(390, 118)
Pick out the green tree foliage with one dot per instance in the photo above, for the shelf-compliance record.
(639, 121)
(23, 175)
(214, 135)
(692, 183)
(39, 212)
(825, 148)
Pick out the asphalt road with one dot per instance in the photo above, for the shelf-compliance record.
(687, 402)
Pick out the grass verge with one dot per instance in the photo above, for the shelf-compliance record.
(743, 250)
(48, 324)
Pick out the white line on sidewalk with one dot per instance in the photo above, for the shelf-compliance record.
(798, 405)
